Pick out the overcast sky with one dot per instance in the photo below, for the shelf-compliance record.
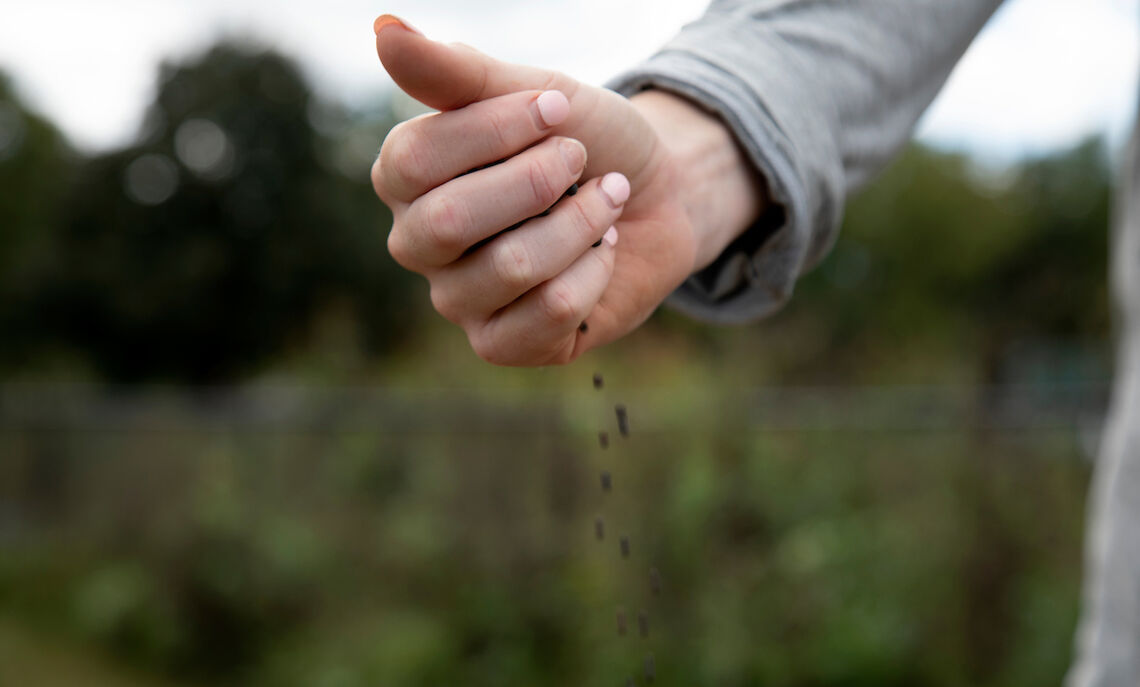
(1043, 74)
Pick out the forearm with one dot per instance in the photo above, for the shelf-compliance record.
(820, 94)
(721, 190)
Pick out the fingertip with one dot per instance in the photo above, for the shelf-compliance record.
(553, 107)
(611, 236)
(386, 20)
(616, 188)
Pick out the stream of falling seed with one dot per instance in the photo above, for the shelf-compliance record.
(649, 665)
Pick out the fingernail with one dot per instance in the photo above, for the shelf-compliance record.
(553, 107)
(611, 236)
(616, 188)
(573, 154)
(388, 20)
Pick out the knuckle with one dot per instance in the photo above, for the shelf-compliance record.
(542, 184)
(486, 348)
(445, 304)
(443, 223)
(512, 264)
(557, 302)
(398, 248)
(377, 177)
(499, 129)
(580, 220)
(405, 158)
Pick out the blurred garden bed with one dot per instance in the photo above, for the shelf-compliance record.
(332, 536)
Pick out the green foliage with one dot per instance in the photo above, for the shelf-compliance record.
(451, 542)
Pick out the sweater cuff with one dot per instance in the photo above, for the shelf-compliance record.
(756, 273)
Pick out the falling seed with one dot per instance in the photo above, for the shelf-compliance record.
(599, 529)
(604, 439)
(621, 621)
(655, 581)
(630, 683)
(598, 381)
(643, 623)
(650, 668)
(623, 419)
(583, 327)
(607, 482)
(625, 547)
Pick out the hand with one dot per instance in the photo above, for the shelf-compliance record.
(541, 294)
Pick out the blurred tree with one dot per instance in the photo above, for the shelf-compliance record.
(201, 251)
(35, 164)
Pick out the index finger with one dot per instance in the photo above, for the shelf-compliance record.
(424, 153)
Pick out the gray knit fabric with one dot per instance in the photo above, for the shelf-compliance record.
(1108, 639)
(821, 94)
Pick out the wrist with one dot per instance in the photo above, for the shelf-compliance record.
(721, 191)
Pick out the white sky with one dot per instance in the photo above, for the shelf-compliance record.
(1043, 74)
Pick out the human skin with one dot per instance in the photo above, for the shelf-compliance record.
(663, 186)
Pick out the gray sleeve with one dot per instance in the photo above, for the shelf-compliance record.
(820, 94)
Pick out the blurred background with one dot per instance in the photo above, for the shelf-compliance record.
(237, 447)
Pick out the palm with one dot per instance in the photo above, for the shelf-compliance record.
(657, 246)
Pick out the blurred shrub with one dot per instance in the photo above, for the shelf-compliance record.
(788, 558)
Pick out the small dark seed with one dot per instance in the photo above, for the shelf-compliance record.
(650, 668)
(595, 244)
(604, 439)
(625, 547)
(622, 419)
(621, 622)
(607, 481)
(598, 381)
(583, 327)
(643, 623)
(655, 581)
(599, 529)
(573, 190)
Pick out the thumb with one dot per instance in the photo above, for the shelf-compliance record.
(447, 77)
